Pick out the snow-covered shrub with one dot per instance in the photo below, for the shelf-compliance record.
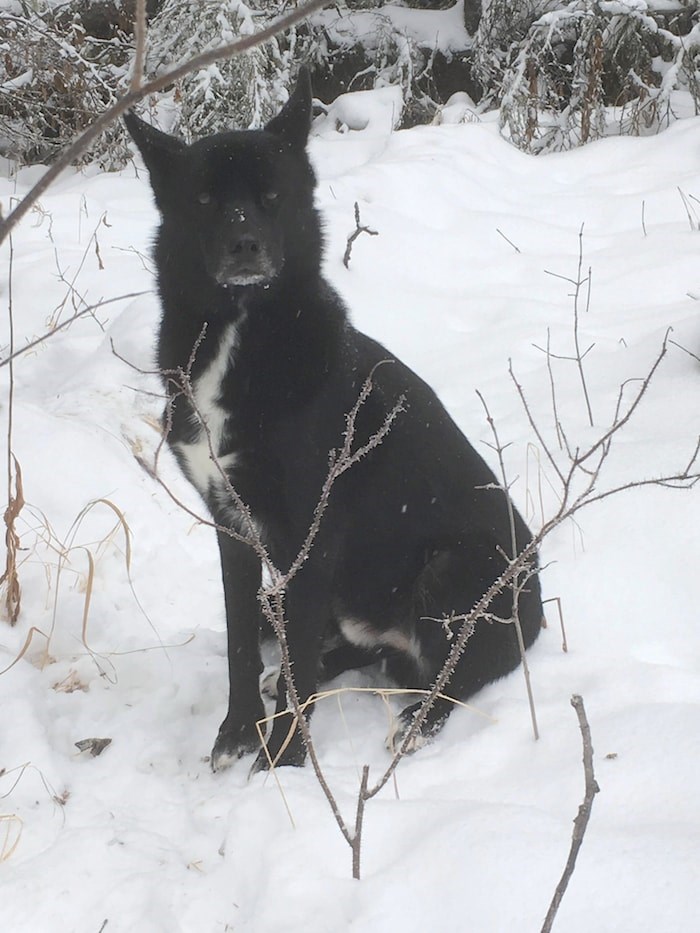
(426, 52)
(561, 72)
(241, 92)
(553, 91)
(567, 73)
(54, 78)
(502, 29)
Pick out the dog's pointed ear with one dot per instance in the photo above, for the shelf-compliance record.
(293, 122)
(160, 151)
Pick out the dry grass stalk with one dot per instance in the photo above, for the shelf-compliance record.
(10, 834)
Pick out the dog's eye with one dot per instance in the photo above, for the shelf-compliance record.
(204, 197)
(270, 198)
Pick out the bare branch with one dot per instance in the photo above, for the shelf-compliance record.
(578, 356)
(583, 816)
(685, 350)
(533, 424)
(515, 586)
(557, 601)
(620, 422)
(342, 460)
(140, 45)
(272, 605)
(510, 242)
(357, 837)
(89, 310)
(354, 235)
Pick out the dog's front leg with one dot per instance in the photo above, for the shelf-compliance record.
(241, 574)
(307, 610)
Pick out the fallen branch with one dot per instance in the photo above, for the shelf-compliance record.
(583, 816)
(359, 228)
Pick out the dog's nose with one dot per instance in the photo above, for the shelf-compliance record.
(244, 246)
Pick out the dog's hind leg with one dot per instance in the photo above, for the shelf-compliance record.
(450, 584)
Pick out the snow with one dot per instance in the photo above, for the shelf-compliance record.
(144, 836)
(441, 30)
(374, 113)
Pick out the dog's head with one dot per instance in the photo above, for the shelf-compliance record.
(237, 200)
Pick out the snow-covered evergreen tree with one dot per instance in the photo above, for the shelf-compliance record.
(241, 92)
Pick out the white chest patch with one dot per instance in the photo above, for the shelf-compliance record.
(197, 458)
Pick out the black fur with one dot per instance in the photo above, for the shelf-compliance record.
(411, 533)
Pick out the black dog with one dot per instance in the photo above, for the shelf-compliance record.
(414, 532)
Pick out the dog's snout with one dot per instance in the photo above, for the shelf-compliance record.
(245, 257)
(243, 246)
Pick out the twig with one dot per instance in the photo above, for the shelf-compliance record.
(516, 585)
(354, 235)
(342, 460)
(359, 818)
(510, 242)
(54, 330)
(685, 350)
(272, 596)
(557, 421)
(692, 217)
(578, 357)
(557, 601)
(140, 45)
(583, 816)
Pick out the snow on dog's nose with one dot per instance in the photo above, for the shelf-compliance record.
(243, 255)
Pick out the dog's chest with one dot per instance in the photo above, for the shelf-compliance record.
(203, 459)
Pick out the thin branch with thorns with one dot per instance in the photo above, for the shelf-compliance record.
(517, 584)
(579, 481)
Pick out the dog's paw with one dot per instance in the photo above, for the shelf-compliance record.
(398, 731)
(402, 725)
(293, 755)
(231, 744)
(268, 683)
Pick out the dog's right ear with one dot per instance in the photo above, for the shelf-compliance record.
(160, 151)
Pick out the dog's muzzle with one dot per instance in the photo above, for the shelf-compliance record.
(244, 261)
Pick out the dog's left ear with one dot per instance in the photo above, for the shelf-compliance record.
(160, 153)
(293, 122)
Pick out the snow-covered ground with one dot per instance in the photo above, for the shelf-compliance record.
(128, 643)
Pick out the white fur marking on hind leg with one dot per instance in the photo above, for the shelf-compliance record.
(364, 635)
